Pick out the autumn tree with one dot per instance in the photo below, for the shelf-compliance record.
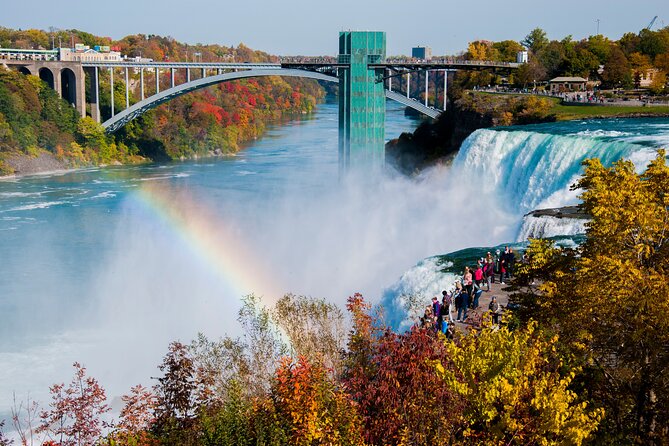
(75, 414)
(617, 69)
(175, 396)
(391, 377)
(306, 407)
(136, 418)
(609, 299)
(513, 392)
(659, 83)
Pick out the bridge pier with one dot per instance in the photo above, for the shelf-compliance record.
(408, 84)
(94, 92)
(427, 77)
(127, 90)
(111, 83)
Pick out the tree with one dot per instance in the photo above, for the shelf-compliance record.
(617, 69)
(4, 441)
(535, 40)
(640, 64)
(530, 72)
(137, 417)
(309, 407)
(76, 410)
(600, 46)
(507, 50)
(391, 377)
(314, 327)
(479, 51)
(512, 390)
(653, 43)
(608, 301)
(659, 83)
(629, 43)
(552, 57)
(662, 62)
(175, 392)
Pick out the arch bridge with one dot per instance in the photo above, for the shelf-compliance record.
(364, 77)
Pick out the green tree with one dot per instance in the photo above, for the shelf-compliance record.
(507, 50)
(600, 46)
(652, 43)
(552, 57)
(629, 43)
(535, 40)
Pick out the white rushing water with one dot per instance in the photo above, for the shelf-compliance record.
(547, 226)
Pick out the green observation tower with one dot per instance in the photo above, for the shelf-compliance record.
(362, 100)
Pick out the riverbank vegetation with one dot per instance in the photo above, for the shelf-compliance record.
(581, 360)
(214, 121)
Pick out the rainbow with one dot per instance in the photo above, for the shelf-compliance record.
(218, 245)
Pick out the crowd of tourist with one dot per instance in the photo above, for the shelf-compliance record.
(467, 291)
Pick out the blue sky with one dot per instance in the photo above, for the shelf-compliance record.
(310, 27)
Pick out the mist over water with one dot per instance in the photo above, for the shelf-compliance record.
(106, 267)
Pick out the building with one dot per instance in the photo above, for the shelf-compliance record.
(521, 57)
(421, 52)
(567, 84)
(22, 54)
(644, 79)
(86, 54)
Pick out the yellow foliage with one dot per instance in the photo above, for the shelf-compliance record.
(513, 392)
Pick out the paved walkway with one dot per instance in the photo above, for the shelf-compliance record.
(474, 317)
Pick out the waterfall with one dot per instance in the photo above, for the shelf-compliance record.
(530, 170)
(513, 172)
(547, 226)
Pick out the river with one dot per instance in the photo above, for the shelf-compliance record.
(107, 266)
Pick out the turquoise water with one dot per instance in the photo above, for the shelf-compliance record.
(107, 266)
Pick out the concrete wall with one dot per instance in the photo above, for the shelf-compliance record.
(56, 68)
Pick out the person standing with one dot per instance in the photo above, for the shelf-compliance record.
(511, 260)
(494, 310)
(458, 304)
(449, 304)
(464, 304)
(490, 273)
(475, 298)
(478, 275)
(445, 312)
(468, 280)
(502, 265)
(436, 310)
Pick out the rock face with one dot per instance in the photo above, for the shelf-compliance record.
(434, 140)
(26, 165)
(542, 223)
(563, 212)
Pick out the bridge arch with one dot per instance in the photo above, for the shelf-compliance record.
(141, 107)
(24, 70)
(47, 76)
(68, 85)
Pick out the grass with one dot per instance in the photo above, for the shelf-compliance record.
(569, 112)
